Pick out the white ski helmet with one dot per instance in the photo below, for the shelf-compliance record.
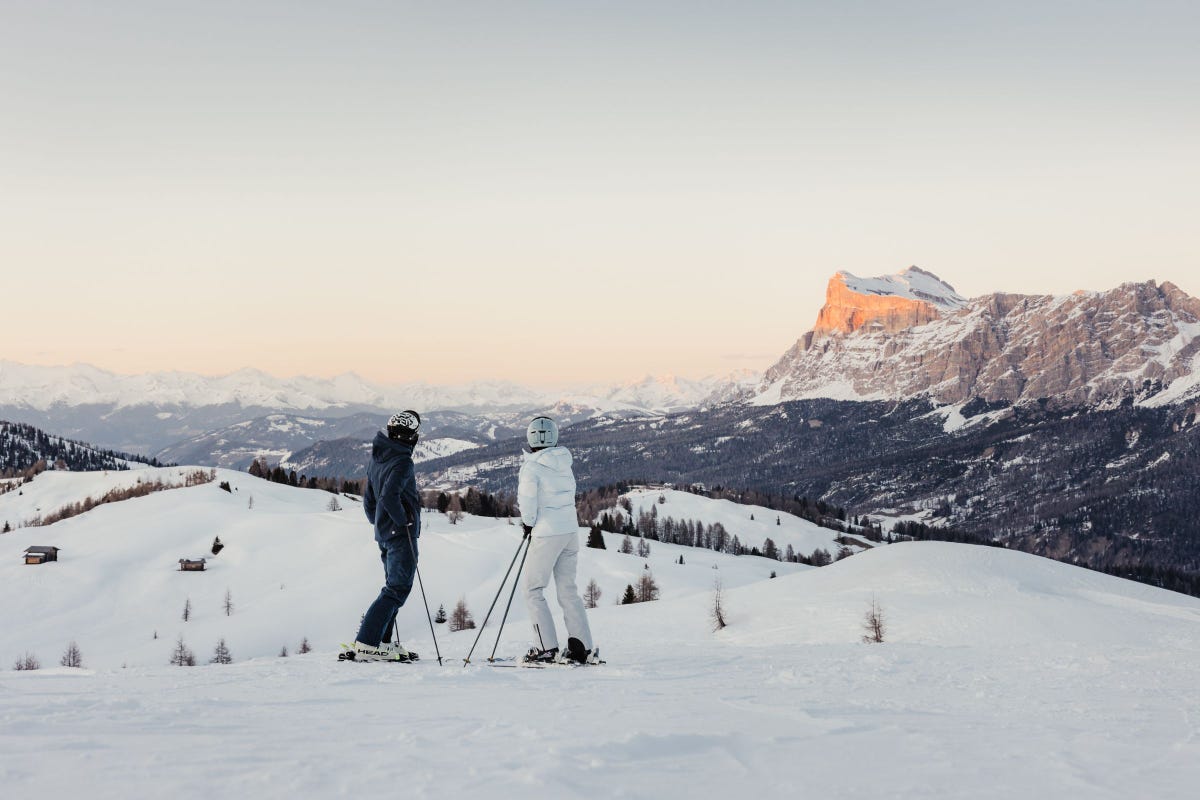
(542, 432)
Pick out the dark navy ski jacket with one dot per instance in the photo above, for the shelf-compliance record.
(391, 500)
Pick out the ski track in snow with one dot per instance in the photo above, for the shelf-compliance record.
(1004, 675)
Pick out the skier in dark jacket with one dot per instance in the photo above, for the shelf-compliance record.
(393, 505)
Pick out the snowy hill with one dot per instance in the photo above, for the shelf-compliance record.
(1001, 675)
(23, 446)
(751, 524)
(294, 569)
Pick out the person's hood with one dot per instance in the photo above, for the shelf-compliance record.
(385, 449)
(558, 458)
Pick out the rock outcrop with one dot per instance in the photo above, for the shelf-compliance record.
(893, 303)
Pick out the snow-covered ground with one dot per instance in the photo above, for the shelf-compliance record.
(1003, 675)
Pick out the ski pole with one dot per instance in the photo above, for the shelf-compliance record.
(421, 584)
(467, 660)
(516, 580)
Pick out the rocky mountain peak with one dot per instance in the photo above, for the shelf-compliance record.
(888, 303)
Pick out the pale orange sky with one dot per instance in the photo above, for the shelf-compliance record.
(555, 194)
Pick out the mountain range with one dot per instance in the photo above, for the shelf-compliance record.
(160, 412)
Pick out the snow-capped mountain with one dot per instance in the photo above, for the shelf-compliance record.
(910, 335)
(672, 393)
(147, 413)
(42, 388)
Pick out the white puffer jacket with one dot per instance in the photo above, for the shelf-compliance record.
(546, 492)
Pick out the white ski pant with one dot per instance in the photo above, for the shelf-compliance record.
(557, 555)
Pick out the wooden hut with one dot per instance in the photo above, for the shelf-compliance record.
(191, 565)
(40, 555)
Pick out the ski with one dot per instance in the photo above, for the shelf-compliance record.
(513, 663)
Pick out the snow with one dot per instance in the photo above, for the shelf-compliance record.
(53, 489)
(804, 536)
(436, 448)
(912, 283)
(955, 421)
(1003, 675)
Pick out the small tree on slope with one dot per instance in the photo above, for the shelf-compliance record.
(27, 662)
(874, 623)
(647, 588)
(72, 658)
(221, 654)
(181, 656)
(595, 538)
(592, 594)
(460, 617)
(718, 605)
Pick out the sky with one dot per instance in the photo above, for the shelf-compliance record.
(555, 193)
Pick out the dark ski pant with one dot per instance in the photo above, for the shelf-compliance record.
(399, 569)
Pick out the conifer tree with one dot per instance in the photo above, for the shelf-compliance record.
(629, 597)
(441, 614)
(181, 656)
(305, 647)
(770, 550)
(221, 654)
(596, 538)
(72, 658)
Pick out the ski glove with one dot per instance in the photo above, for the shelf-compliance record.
(528, 529)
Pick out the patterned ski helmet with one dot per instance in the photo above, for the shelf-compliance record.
(403, 426)
(542, 432)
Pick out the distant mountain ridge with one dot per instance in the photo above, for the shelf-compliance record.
(157, 411)
(42, 388)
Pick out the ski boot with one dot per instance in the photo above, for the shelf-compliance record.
(536, 656)
(387, 651)
(576, 653)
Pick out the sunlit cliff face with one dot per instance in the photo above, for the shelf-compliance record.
(847, 311)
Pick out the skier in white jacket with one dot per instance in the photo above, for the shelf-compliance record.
(546, 494)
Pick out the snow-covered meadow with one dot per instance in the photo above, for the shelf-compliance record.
(1002, 675)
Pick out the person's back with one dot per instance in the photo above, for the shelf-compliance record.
(546, 495)
(392, 503)
(547, 483)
